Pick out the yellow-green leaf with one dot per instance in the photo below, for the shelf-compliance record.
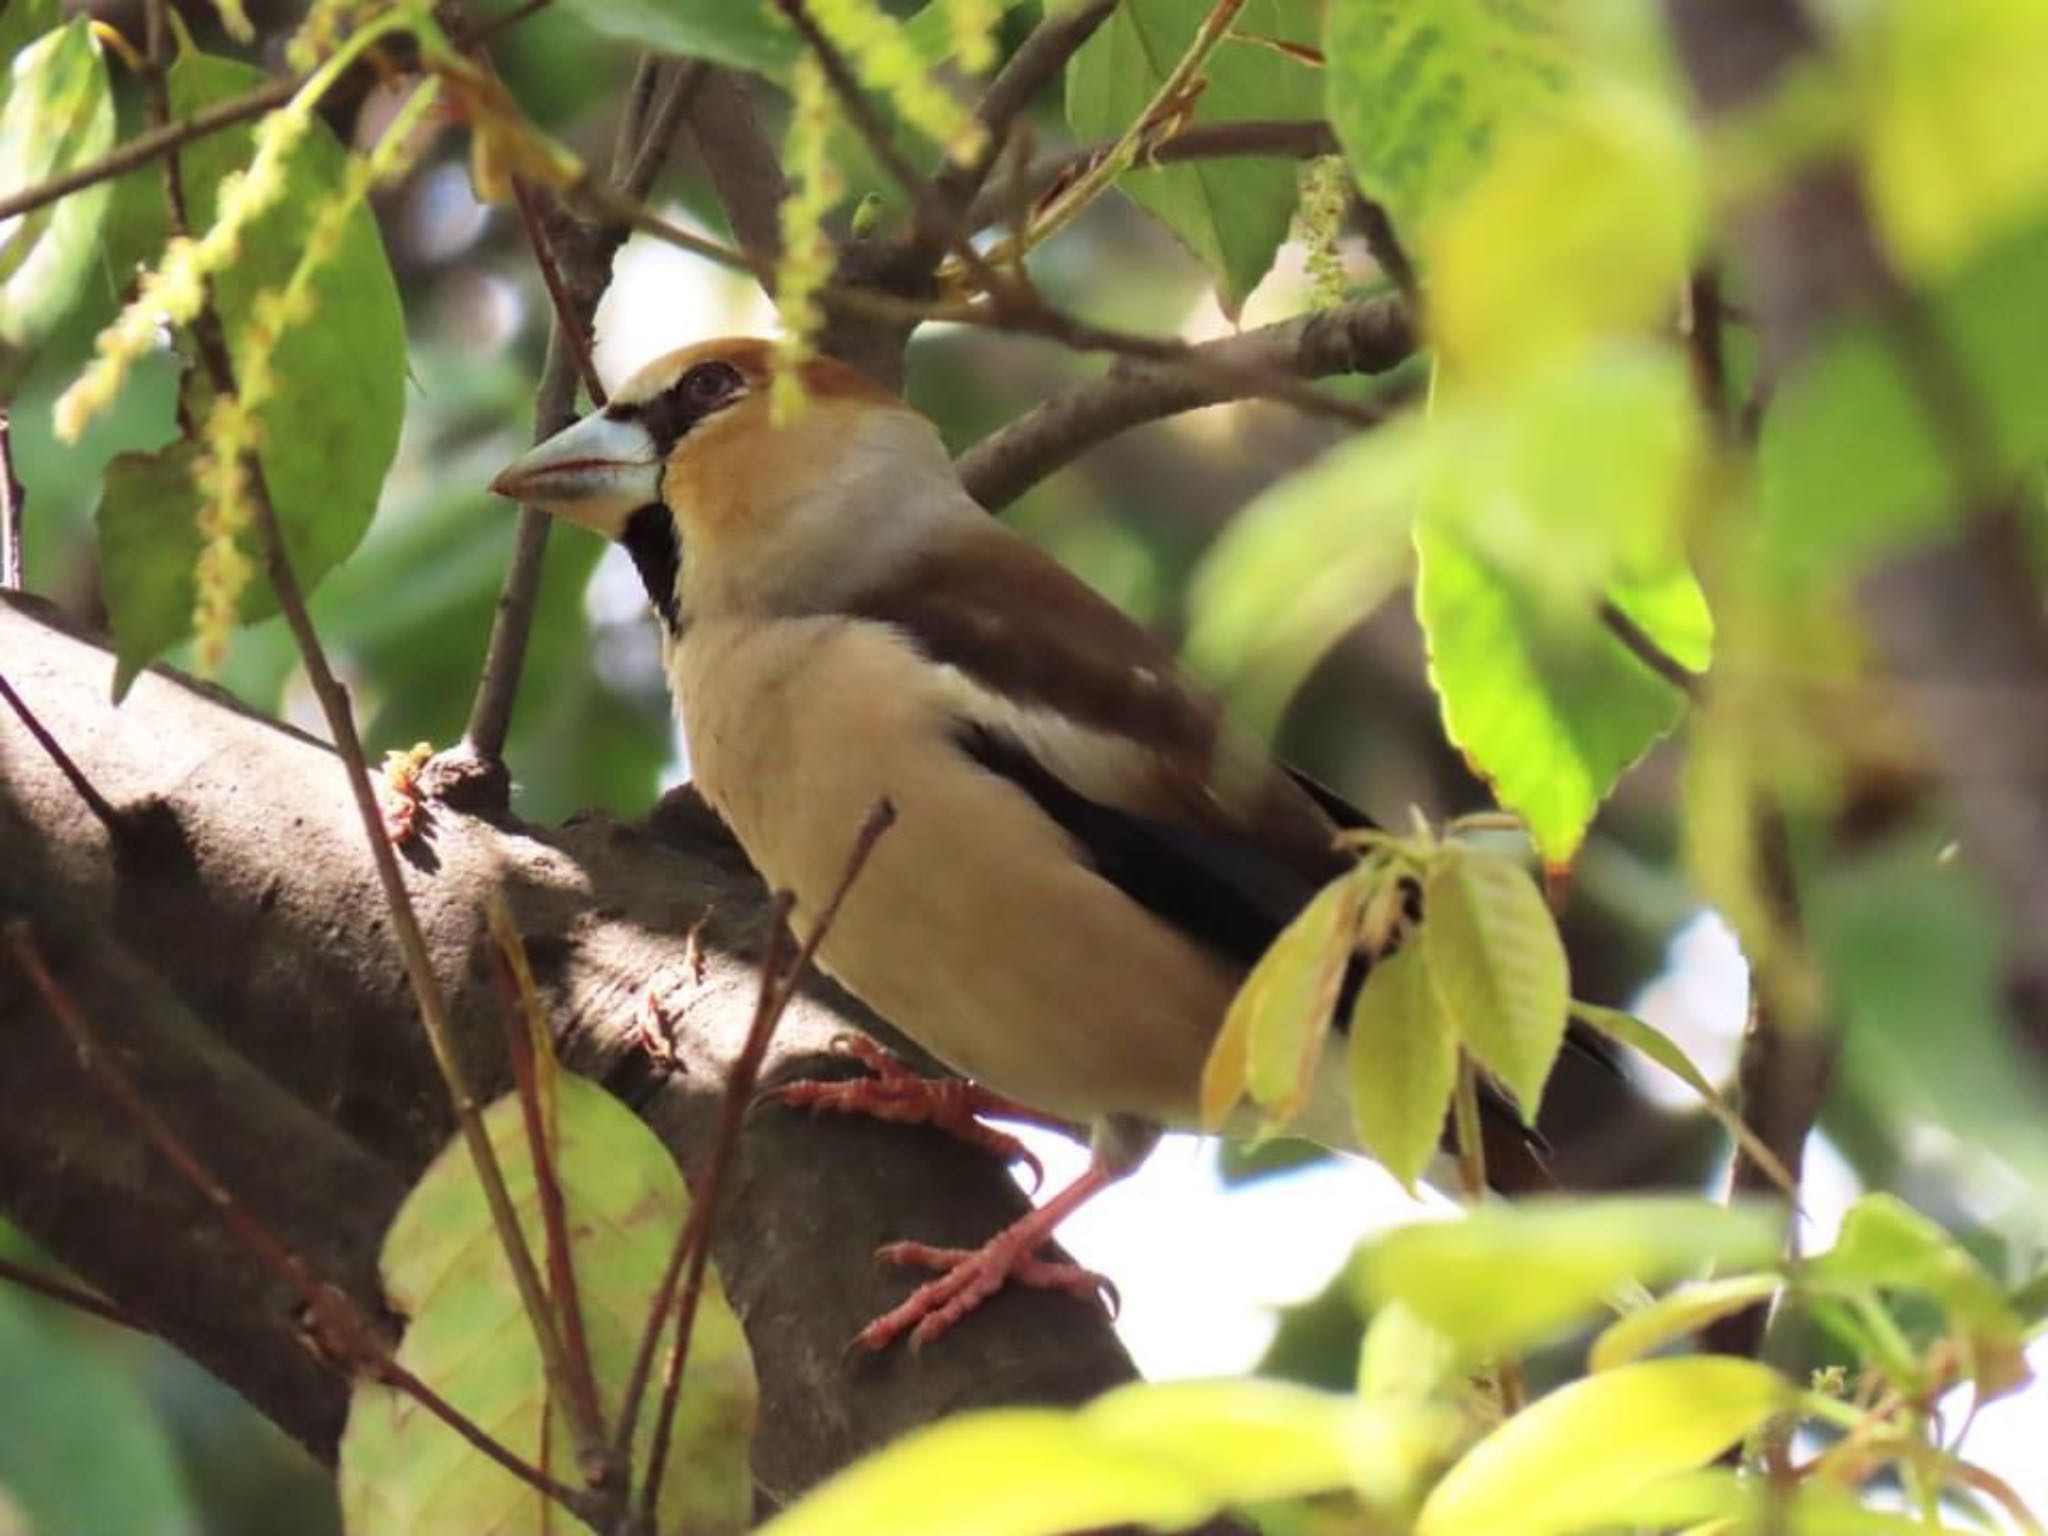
(1949, 100)
(1496, 966)
(1572, 1460)
(1567, 1258)
(1404, 1062)
(56, 113)
(1685, 1311)
(1403, 1358)
(1272, 1036)
(403, 1471)
(1420, 95)
(1606, 204)
(1166, 1455)
(1886, 1244)
(1304, 562)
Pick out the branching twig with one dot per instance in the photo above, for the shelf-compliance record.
(1034, 66)
(347, 1336)
(211, 342)
(1284, 139)
(75, 1297)
(693, 1243)
(526, 1036)
(102, 809)
(1370, 336)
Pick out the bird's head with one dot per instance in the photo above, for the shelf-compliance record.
(722, 506)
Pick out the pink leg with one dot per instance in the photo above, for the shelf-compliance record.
(969, 1276)
(897, 1094)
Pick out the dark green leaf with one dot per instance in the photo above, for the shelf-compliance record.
(331, 427)
(1232, 213)
(741, 34)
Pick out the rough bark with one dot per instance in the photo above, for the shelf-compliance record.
(233, 949)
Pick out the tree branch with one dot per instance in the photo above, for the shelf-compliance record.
(745, 170)
(1371, 336)
(1290, 139)
(308, 1089)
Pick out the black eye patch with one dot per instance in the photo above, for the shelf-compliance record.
(670, 415)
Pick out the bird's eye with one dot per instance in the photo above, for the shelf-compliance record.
(711, 384)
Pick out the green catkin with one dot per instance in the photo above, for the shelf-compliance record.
(1319, 221)
(889, 64)
(814, 188)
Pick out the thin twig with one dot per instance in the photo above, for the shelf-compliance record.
(1168, 104)
(1035, 65)
(102, 809)
(693, 1243)
(349, 1340)
(637, 170)
(526, 1037)
(166, 137)
(211, 342)
(1282, 139)
(1646, 650)
(75, 1297)
(572, 327)
(12, 570)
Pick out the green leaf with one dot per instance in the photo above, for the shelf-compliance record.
(1606, 203)
(83, 1452)
(1546, 704)
(329, 430)
(22, 22)
(1887, 1245)
(1404, 1063)
(1310, 557)
(1232, 213)
(1282, 1011)
(58, 113)
(1496, 966)
(1166, 1455)
(740, 34)
(1626, 1029)
(1573, 1460)
(1404, 1358)
(1914, 952)
(1669, 1318)
(1419, 95)
(1955, 144)
(1567, 1257)
(149, 545)
(405, 1471)
(1855, 454)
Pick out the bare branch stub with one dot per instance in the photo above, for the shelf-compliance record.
(12, 569)
(103, 811)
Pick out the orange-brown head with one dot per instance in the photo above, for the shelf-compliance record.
(723, 506)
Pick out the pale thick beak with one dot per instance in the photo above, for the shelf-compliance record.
(598, 472)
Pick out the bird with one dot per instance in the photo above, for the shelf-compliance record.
(1086, 857)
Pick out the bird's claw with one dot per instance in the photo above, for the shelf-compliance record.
(895, 1093)
(967, 1278)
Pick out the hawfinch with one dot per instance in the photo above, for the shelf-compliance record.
(1085, 859)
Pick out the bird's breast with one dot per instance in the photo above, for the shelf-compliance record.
(975, 926)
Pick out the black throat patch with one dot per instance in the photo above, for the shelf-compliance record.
(650, 538)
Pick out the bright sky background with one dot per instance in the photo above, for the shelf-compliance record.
(1204, 1268)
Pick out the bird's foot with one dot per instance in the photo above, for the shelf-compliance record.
(893, 1092)
(968, 1277)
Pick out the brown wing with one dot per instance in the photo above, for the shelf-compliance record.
(1086, 713)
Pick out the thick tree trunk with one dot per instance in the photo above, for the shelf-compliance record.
(232, 947)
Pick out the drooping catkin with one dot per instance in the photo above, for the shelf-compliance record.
(815, 187)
